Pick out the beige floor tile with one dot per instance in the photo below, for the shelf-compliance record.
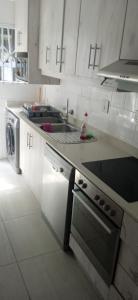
(17, 203)
(11, 284)
(6, 254)
(30, 236)
(56, 276)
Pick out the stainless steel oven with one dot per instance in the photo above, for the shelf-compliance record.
(95, 226)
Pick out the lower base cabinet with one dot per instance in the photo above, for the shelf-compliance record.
(114, 294)
(31, 157)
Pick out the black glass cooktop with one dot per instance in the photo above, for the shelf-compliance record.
(121, 174)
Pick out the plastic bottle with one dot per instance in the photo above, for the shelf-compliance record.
(83, 134)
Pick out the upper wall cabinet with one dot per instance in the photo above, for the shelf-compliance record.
(51, 23)
(130, 38)
(58, 36)
(100, 34)
(111, 32)
(88, 46)
(27, 39)
(21, 25)
(70, 36)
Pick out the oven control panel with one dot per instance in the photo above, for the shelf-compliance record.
(101, 200)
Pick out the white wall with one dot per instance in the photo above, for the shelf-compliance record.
(7, 12)
(18, 93)
(87, 96)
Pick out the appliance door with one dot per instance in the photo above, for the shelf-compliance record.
(56, 191)
(10, 141)
(95, 234)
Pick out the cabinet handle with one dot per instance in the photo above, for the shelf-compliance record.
(57, 51)
(27, 141)
(62, 52)
(90, 53)
(30, 141)
(93, 65)
(95, 52)
(47, 60)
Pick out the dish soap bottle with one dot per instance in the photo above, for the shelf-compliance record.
(83, 135)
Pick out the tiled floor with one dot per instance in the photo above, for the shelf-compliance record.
(32, 265)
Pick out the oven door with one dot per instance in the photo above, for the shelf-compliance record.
(97, 236)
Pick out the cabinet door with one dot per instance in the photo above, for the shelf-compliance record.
(51, 24)
(42, 35)
(70, 36)
(24, 149)
(111, 32)
(91, 12)
(36, 158)
(21, 25)
(130, 38)
(31, 158)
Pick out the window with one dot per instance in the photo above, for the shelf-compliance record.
(7, 54)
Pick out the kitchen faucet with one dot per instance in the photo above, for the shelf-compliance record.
(71, 111)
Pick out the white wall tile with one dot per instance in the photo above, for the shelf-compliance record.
(135, 137)
(87, 96)
(130, 101)
(118, 99)
(136, 102)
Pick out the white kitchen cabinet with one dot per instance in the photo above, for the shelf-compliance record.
(130, 37)
(88, 47)
(129, 227)
(24, 145)
(125, 285)
(112, 23)
(70, 36)
(27, 22)
(31, 157)
(21, 25)
(42, 36)
(51, 25)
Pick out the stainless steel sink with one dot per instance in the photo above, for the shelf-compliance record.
(50, 119)
(55, 128)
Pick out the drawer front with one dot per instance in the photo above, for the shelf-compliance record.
(126, 287)
(129, 261)
(129, 232)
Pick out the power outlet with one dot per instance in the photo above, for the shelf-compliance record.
(136, 116)
(106, 106)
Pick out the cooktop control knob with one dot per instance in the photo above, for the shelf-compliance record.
(80, 181)
(84, 186)
(97, 197)
(107, 207)
(101, 202)
(112, 213)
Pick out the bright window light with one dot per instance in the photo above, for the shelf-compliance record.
(5, 185)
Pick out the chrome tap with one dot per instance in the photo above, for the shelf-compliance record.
(66, 109)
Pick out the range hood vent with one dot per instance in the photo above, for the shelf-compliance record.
(121, 70)
(124, 72)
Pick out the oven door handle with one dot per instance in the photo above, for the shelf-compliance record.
(97, 218)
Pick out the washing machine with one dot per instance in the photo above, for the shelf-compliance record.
(12, 140)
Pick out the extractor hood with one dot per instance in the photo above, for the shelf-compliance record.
(122, 70)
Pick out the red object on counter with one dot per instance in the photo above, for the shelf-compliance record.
(47, 127)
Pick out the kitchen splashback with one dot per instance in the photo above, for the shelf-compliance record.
(110, 111)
